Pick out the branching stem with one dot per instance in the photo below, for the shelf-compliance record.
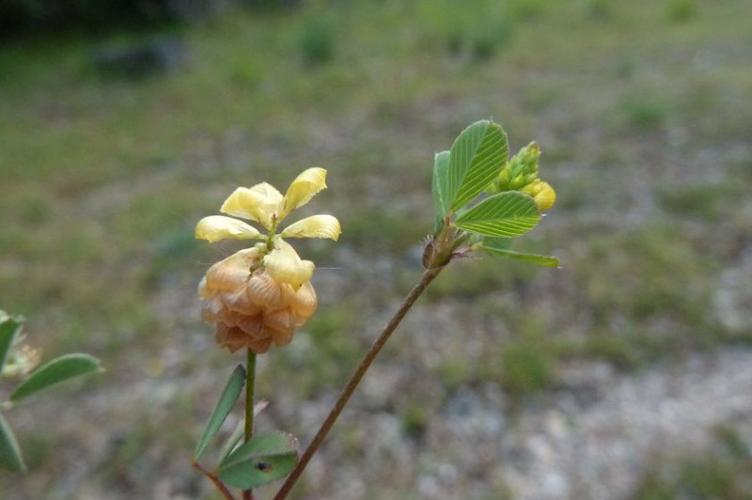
(215, 480)
(428, 276)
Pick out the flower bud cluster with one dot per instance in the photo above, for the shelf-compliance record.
(521, 174)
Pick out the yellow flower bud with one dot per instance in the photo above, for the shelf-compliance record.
(543, 194)
(250, 308)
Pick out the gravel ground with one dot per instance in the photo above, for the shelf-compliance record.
(591, 440)
(598, 450)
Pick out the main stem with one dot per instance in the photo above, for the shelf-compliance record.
(357, 376)
(250, 386)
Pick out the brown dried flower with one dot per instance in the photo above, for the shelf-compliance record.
(249, 307)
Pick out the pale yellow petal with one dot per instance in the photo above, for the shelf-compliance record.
(218, 227)
(303, 188)
(315, 226)
(285, 266)
(259, 203)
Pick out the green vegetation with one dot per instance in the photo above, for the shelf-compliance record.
(724, 470)
(526, 366)
(681, 11)
(644, 111)
(317, 40)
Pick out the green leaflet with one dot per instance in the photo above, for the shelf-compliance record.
(439, 185)
(55, 371)
(266, 457)
(506, 214)
(9, 329)
(540, 260)
(226, 401)
(477, 156)
(10, 454)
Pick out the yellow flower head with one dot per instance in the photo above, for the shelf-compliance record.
(258, 296)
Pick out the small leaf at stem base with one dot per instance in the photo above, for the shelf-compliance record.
(266, 457)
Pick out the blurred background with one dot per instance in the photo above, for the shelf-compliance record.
(627, 374)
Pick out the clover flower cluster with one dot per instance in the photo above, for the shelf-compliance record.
(258, 296)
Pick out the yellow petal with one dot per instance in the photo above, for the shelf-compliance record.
(303, 188)
(259, 203)
(218, 227)
(284, 265)
(315, 226)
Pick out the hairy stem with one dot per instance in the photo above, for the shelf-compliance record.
(250, 386)
(357, 376)
(215, 480)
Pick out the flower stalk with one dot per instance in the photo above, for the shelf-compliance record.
(250, 388)
(250, 385)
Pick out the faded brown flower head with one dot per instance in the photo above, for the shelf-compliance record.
(250, 309)
(258, 296)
